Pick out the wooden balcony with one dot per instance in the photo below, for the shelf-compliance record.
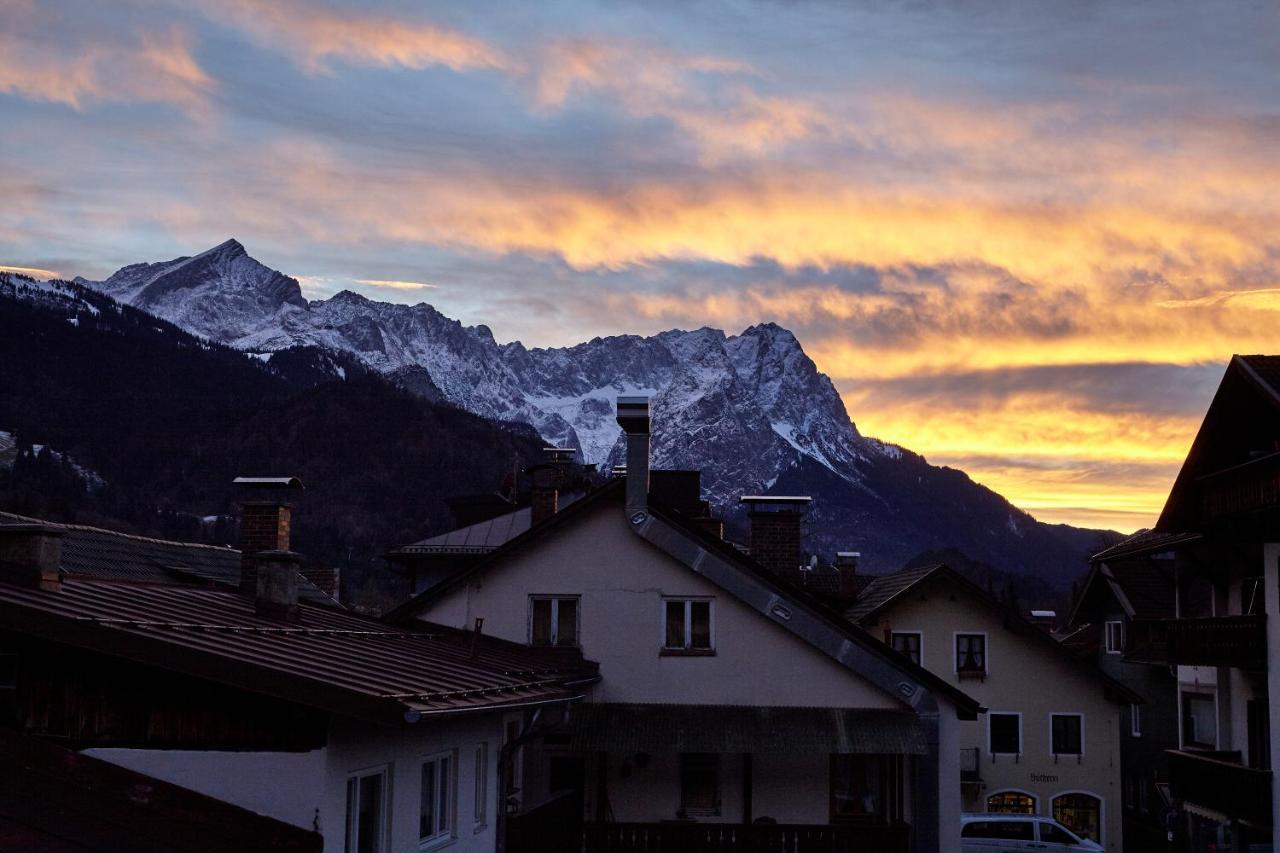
(680, 837)
(1239, 641)
(1250, 487)
(1224, 786)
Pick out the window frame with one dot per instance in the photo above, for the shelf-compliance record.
(1053, 747)
(1021, 740)
(480, 814)
(986, 654)
(919, 635)
(688, 649)
(554, 628)
(1117, 648)
(351, 839)
(1183, 741)
(1135, 720)
(1102, 813)
(1035, 801)
(450, 831)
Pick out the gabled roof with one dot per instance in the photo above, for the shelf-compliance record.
(880, 590)
(326, 658)
(92, 552)
(479, 538)
(1241, 427)
(910, 579)
(738, 575)
(1129, 574)
(1145, 542)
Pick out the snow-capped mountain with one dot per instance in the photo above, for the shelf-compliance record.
(750, 410)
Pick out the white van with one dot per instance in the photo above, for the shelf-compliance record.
(1014, 833)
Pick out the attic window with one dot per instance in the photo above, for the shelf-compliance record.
(687, 626)
(553, 620)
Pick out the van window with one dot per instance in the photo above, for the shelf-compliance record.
(1053, 834)
(1005, 830)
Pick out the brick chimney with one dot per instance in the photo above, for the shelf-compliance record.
(633, 417)
(545, 499)
(561, 461)
(266, 508)
(31, 555)
(847, 566)
(776, 532)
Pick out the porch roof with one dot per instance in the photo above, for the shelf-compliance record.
(743, 728)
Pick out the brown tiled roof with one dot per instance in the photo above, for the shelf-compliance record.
(327, 658)
(882, 589)
(54, 800)
(92, 552)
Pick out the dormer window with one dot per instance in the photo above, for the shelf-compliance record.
(553, 620)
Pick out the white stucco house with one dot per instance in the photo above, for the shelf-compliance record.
(732, 710)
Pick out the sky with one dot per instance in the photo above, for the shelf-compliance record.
(1022, 238)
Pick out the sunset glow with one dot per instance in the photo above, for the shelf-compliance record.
(1022, 244)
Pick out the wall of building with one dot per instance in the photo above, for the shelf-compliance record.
(622, 581)
(310, 789)
(1026, 677)
(288, 786)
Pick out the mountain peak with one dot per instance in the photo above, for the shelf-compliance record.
(230, 247)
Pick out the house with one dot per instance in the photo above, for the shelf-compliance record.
(1130, 581)
(733, 710)
(141, 669)
(1219, 537)
(1050, 740)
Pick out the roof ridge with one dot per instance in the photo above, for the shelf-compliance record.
(134, 536)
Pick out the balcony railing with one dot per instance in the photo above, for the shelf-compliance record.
(970, 765)
(679, 837)
(1222, 786)
(1249, 487)
(1239, 641)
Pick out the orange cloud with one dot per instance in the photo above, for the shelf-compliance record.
(157, 67)
(316, 33)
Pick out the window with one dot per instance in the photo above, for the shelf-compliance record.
(1005, 830)
(1199, 721)
(688, 625)
(1115, 638)
(1135, 720)
(1004, 733)
(1051, 833)
(1080, 813)
(1011, 802)
(699, 783)
(435, 814)
(866, 786)
(366, 811)
(553, 620)
(1067, 734)
(482, 784)
(907, 643)
(971, 654)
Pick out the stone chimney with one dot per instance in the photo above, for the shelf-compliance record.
(266, 510)
(31, 555)
(545, 499)
(633, 417)
(776, 532)
(276, 578)
(847, 566)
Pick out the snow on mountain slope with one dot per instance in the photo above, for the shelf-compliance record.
(751, 410)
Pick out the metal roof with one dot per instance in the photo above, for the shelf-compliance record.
(483, 536)
(327, 658)
(286, 482)
(92, 552)
(736, 729)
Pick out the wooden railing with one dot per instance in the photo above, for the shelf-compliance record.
(1222, 786)
(1239, 641)
(679, 837)
(1249, 487)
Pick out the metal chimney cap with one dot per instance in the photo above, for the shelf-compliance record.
(278, 482)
